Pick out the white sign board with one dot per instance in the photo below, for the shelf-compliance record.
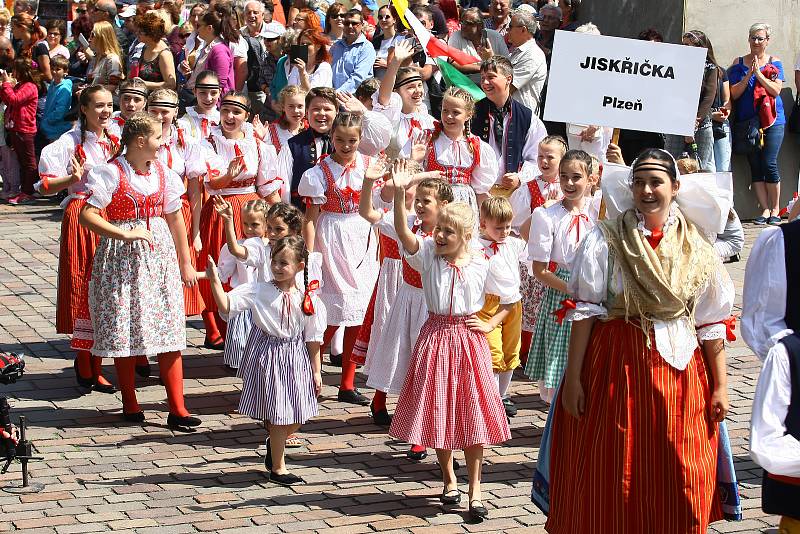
(624, 83)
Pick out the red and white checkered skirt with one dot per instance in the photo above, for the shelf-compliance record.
(450, 399)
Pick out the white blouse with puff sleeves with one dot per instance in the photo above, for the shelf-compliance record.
(103, 180)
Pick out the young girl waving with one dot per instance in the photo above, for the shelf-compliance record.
(63, 165)
(292, 101)
(136, 304)
(469, 164)
(449, 398)
(555, 235)
(346, 241)
(281, 364)
(204, 115)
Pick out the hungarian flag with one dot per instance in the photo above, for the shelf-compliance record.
(433, 47)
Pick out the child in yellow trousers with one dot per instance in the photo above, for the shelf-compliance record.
(500, 247)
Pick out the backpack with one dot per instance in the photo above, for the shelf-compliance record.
(256, 57)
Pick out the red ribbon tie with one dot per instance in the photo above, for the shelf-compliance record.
(308, 304)
(561, 313)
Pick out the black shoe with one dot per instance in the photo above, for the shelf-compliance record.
(268, 457)
(456, 465)
(381, 417)
(352, 396)
(286, 479)
(230, 371)
(417, 455)
(511, 408)
(176, 421)
(104, 388)
(478, 511)
(214, 345)
(336, 360)
(83, 382)
(137, 417)
(143, 370)
(450, 497)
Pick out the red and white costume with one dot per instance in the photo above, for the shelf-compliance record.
(405, 126)
(345, 240)
(257, 180)
(277, 136)
(449, 398)
(198, 125)
(77, 243)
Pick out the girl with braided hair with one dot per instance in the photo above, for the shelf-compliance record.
(468, 164)
(281, 367)
(63, 165)
(136, 304)
(187, 159)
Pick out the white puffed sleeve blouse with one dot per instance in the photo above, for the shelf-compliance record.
(556, 234)
(103, 180)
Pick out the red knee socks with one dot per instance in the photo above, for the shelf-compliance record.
(348, 365)
(525, 346)
(84, 359)
(379, 401)
(210, 321)
(97, 371)
(127, 384)
(170, 365)
(222, 325)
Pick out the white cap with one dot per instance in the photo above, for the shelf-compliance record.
(128, 12)
(273, 30)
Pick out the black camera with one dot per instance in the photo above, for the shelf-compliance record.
(12, 366)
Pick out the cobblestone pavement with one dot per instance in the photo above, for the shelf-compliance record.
(100, 474)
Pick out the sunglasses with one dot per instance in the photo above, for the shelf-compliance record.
(338, 16)
(384, 17)
(759, 39)
(352, 23)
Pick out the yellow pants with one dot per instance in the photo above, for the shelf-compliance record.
(789, 526)
(504, 341)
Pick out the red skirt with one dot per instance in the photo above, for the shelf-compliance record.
(74, 268)
(449, 398)
(643, 457)
(359, 354)
(212, 233)
(192, 300)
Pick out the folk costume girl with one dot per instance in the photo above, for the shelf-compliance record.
(187, 160)
(280, 371)
(540, 191)
(250, 175)
(292, 121)
(469, 164)
(204, 115)
(136, 304)
(400, 99)
(647, 380)
(63, 165)
(132, 99)
(449, 398)
(556, 234)
(346, 241)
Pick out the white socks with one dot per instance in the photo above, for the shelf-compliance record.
(503, 381)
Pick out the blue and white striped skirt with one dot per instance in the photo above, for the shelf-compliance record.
(277, 380)
(239, 327)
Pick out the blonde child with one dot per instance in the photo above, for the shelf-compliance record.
(204, 115)
(500, 247)
(449, 399)
(233, 273)
(555, 235)
(292, 102)
(332, 190)
(143, 245)
(469, 164)
(132, 99)
(281, 368)
(543, 189)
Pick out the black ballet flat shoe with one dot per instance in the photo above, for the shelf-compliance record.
(136, 417)
(268, 457)
(352, 396)
(416, 455)
(214, 344)
(286, 479)
(511, 408)
(456, 465)
(478, 511)
(143, 370)
(336, 359)
(450, 497)
(104, 388)
(83, 382)
(176, 421)
(381, 417)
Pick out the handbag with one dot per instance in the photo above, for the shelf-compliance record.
(794, 119)
(747, 136)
